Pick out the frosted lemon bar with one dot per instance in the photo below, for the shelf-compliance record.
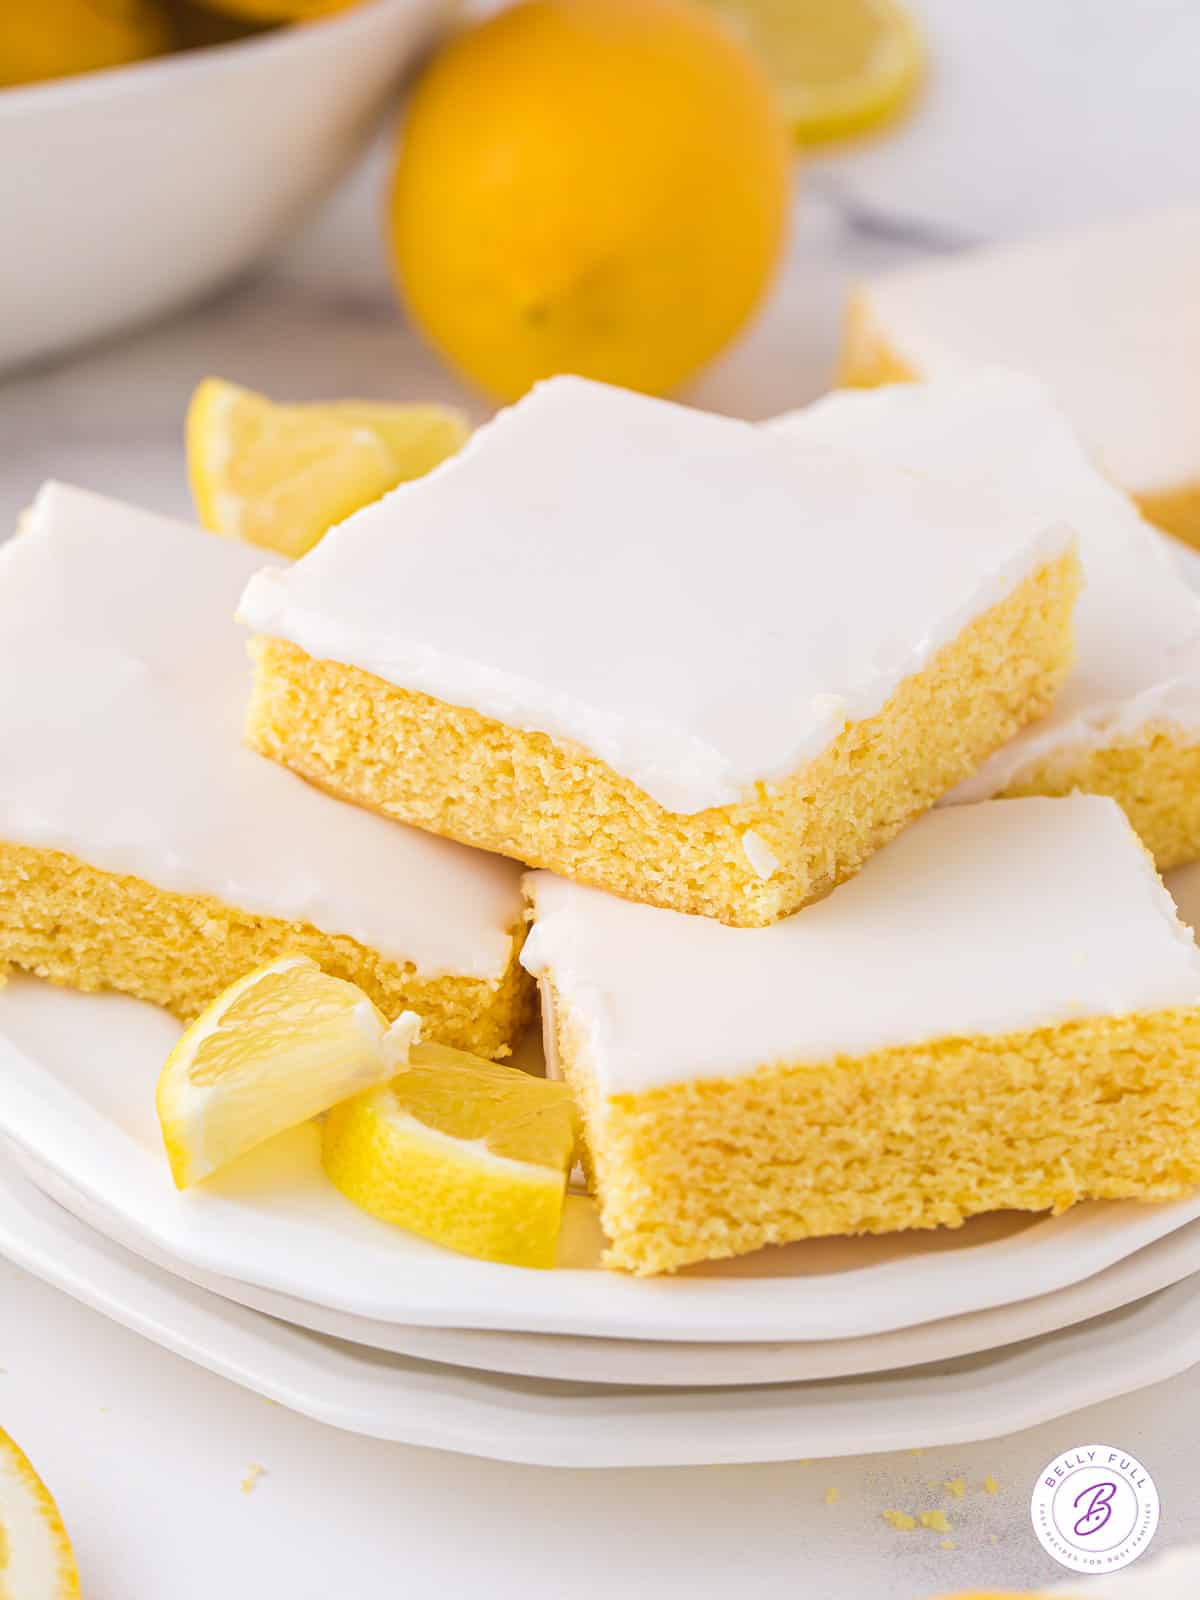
(144, 848)
(1127, 721)
(1001, 1010)
(663, 652)
(1107, 317)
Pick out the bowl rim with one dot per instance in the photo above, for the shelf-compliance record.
(148, 75)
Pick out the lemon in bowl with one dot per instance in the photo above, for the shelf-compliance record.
(62, 38)
(129, 190)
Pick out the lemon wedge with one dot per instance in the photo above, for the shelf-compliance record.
(279, 1046)
(840, 68)
(36, 1562)
(468, 1153)
(281, 475)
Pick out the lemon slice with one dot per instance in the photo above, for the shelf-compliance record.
(36, 1562)
(280, 476)
(841, 66)
(468, 1153)
(279, 1046)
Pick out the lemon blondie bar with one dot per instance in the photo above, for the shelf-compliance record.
(144, 848)
(1107, 317)
(1000, 1011)
(1127, 720)
(666, 653)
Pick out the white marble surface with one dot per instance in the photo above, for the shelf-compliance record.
(147, 1454)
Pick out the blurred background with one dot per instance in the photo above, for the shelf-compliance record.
(231, 189)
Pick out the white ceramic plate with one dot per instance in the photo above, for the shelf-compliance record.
(581, 1425)
(662, 1364)
(79, 1074)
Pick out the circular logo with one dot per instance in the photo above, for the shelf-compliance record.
(1094, 1508)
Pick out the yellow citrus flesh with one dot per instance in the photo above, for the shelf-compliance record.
(840, 68)
(590, 186)
(36, 1561)
(469, 1153)
(279, 476)
(278, 1047)
(419, 436)
(60, 38)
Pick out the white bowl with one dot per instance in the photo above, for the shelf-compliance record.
(129, 191)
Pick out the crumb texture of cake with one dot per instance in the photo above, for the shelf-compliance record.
(750, 1087)
(143, 848)
(1127, 720)
(647, 725)
(58, 916)
(1107, 317)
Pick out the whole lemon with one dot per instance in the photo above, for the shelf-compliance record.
(589, 186)
(42, 39)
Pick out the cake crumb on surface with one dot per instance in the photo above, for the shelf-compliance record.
(253, 1473)
(935, 1520)
(990, 1485)
(900, 1520)
(956, 1487)
(947, 1544)
(832, 1496)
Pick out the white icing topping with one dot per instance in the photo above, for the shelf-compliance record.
(123, 683)
(1108, 318)
(1137, 622)
(549, 1032)
(575, 570)
(977, 920)
(759, 854)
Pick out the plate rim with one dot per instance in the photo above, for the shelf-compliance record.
(55, 1123)
(571, 1425)
(1159, 1265)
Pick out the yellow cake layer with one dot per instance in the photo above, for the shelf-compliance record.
(1154, 777)
(73, 924)
(868, 360)
(913, 1137)
(457, 773)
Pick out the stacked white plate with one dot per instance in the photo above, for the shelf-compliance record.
(267, 1275)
